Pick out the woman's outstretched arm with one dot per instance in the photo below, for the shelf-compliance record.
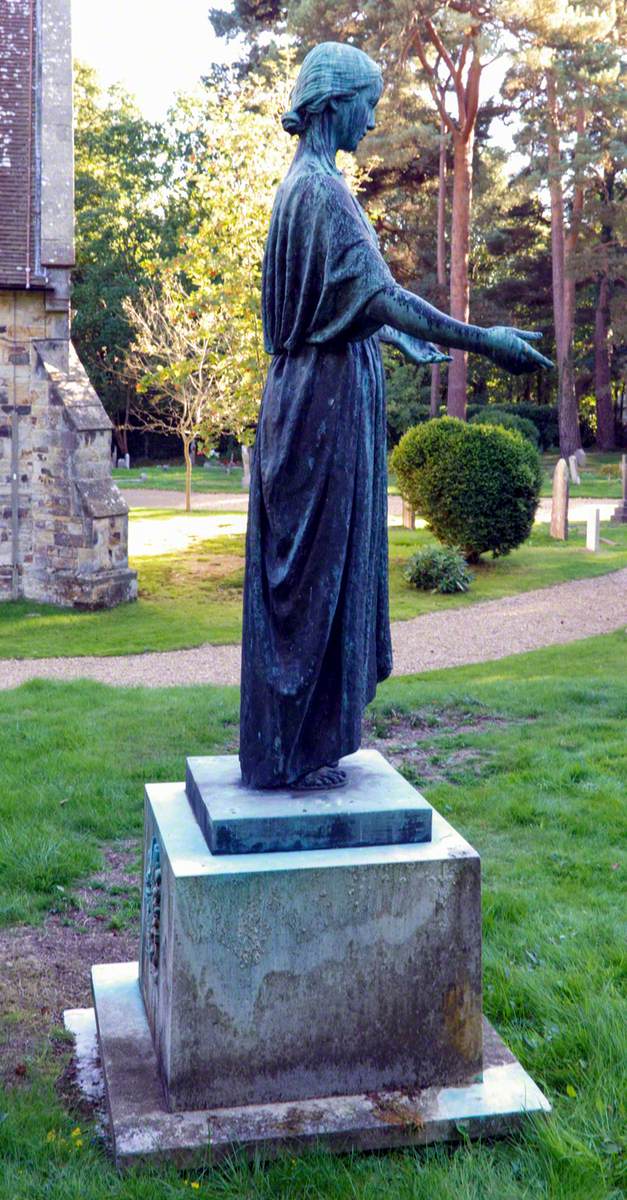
(505, 346)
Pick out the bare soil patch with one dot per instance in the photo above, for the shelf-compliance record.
(46, 969)
(419, 743)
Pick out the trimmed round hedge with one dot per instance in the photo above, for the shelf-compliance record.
(496, 416)
(477, 486)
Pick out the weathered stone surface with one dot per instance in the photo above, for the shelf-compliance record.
(559, 506)
(143, 1128)
(377, 807)
(67, 523)
(54, 432)
(409, 516)
(289, 975)
(593, 530)
(573, 467)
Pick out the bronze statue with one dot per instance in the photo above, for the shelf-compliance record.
(316, 637)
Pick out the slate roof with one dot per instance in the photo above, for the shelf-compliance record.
(18, 219)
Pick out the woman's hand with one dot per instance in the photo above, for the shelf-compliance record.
(509, 348)
(415, 349)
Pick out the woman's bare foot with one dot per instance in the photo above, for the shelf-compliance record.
(321, 780)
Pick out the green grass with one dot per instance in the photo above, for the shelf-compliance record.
(214, 479)
(195, 596)
(535, 780)
(596, 484)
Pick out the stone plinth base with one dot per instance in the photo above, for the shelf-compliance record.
(282, 976)
(289, 996)
(143, 1128)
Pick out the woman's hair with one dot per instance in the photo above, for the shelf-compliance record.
(332, 70)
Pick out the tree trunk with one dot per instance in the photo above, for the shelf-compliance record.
(188, 473)
(460, 242)
(120, 431)
(436, 370)
(606, 438)
(563, 292)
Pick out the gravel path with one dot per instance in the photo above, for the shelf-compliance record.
(476, 633)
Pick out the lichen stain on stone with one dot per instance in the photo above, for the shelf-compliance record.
(399, 1109)
(461, 1012)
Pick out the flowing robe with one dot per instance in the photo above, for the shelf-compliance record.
(316, 637)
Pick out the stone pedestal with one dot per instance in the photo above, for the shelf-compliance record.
(290, 994)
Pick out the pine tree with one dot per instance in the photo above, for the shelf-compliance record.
(557, 82)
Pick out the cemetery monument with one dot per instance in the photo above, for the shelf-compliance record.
(310, 957)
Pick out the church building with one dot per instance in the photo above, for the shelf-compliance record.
(63, 522)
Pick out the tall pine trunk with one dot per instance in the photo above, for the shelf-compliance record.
(563, 289)
(606, 437)
(460, 246)
(436, 370)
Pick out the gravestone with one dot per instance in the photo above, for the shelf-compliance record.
(559, 504)
(409, 516)
(246, 454)
(619, 516)
(573, 466)
(593, 530)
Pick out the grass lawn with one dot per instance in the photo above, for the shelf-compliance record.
(526, 756)
(597, 483)
(172, 478)
(195, 596)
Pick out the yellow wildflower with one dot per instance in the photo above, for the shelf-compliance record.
(76, 1132)
(195, 1184)
(51, 1135)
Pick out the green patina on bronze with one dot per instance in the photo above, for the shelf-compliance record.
(316, 637)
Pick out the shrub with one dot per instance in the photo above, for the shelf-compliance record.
(477, 486)
(491, 415)
(543, 416)
(438, 569)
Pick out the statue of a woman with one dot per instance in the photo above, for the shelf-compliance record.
(316, 637)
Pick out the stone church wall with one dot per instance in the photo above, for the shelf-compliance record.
(63, 532)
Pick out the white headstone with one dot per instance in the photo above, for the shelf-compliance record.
(574, 468)
(559, 506)
(593, 531)
(246, 466)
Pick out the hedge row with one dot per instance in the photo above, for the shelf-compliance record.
(543, 416)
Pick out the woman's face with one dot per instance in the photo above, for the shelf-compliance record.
(355, 117)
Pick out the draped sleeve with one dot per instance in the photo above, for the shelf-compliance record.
(322, 265)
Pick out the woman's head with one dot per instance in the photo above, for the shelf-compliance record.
(341, 77)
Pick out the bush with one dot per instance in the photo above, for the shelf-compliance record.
(491, 415)
(543, 416)
(477, 486)
(438, 569)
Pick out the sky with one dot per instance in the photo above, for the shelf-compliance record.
(156, 48)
